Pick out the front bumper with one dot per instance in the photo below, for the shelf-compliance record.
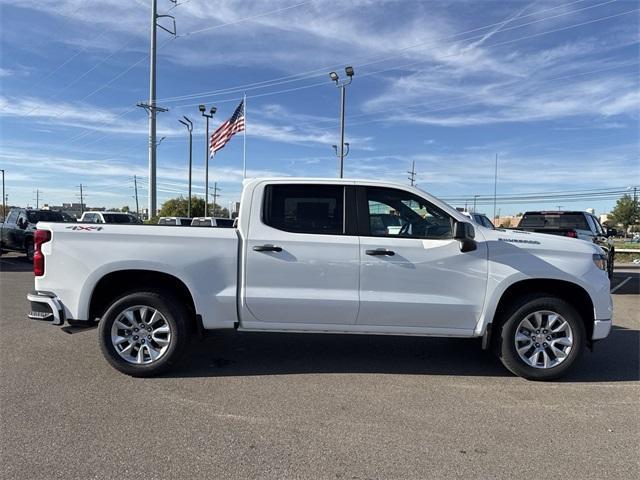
(46, 306)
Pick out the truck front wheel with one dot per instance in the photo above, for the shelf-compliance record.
(144, 333)
(541, 338)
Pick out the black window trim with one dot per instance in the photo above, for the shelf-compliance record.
(364, 227)
(349, 215)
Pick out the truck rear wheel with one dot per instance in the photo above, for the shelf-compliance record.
(143, 334)
(541, 338)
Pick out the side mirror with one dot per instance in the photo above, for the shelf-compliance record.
(21, 223)
(465, 234)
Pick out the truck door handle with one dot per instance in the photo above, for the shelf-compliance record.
(267, 248)
(381, 251)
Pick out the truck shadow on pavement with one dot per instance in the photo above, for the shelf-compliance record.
(15, 264)
(248, 354)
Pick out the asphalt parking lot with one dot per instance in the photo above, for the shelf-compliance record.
(312, 406)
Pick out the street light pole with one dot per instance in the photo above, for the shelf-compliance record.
(343, 90)
(209, 115)
(4, 198)
(189, 124)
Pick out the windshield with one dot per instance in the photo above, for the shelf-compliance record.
(44, 216)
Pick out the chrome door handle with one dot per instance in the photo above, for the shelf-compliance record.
(267, 248)
(381, 251)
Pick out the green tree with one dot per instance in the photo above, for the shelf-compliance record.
(626, 211)
(178, 207)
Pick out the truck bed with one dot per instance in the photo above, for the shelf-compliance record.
(204, 258)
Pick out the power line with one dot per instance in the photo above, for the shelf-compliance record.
(240, 20)
(397, 67)
(392, 68)
(322, 71)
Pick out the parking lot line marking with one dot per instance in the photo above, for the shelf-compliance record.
(617, 287)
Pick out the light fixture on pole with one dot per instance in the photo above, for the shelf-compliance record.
(342, 85)
(203, 111)
(189, 124)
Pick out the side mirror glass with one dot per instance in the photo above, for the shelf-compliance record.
(465, 234)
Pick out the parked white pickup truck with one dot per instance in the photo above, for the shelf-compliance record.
(308, 255)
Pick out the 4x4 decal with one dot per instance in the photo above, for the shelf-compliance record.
(81, 227)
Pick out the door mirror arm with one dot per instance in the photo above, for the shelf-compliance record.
(465, 234)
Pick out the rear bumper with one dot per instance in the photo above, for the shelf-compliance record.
(601, 329)
(45, 306)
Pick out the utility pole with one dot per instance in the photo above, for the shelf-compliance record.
(151, 106)
(209, 115)
(37, 192)
(559, 207)
(475, 198)
(412, 173)
(4, 198)
(81, 199)
(495, 187)
(189, 124)
(215, 197)
(135, 188)
(343, 88)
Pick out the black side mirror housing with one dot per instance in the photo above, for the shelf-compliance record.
(22, 224)
(465, 234)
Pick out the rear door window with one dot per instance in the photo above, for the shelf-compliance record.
(305, 208)
(12, 217)
(45, 216)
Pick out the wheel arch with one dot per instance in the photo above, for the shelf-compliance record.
(570, 292)
(116, 283)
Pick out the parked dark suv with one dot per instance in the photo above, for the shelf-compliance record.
(582, 225)
(16, 233)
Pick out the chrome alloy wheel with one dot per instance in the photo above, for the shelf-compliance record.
(543, 339)
(140, 335)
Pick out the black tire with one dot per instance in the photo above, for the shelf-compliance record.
(28, 250)
(176, 316)
(519, 311)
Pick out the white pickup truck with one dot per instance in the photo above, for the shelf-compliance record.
(312, 255)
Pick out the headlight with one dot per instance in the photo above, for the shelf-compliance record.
(600, 261)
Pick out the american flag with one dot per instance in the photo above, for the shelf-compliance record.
(223, 134)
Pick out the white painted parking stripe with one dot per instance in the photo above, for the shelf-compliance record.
(617, 287)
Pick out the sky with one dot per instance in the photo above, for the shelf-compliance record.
(550, 87)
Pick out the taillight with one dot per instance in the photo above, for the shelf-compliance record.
(39, 237)
(572, 234)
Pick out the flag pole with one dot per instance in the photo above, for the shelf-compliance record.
(244, 146)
